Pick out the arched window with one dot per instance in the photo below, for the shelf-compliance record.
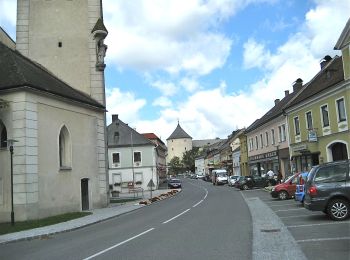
(3, 135)
(65, 148)
(339, 152)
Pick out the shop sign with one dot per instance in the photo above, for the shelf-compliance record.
(270, 155)
(301, 147)
(312, 136)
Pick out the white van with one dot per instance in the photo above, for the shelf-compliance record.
(219, 176)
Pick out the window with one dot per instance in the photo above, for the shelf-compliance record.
(137, 157)
(335, 173)
(116, 158)
(3, 135)
(64, 148)
(261, 141)
(341, 110)
(309, 125)
(272, 136)
(267, 138)
(256, 143)
(284, 137)
(325, 119)
(296, 126)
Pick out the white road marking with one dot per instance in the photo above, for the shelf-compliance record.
(119, 244)
(176, 216)
(289, 209)
(318, 224)
(323, 239)
(297, 216)
(195, 205)
(282, 205)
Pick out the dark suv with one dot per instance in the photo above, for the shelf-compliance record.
(249, 182)
(328, 189)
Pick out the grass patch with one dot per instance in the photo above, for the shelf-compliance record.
(123, 200)
(6, 228)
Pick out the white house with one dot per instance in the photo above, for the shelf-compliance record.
(132, 158)
(52, 102)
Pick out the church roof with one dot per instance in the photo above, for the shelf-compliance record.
(120, 134)
(18, 72)
(179, 133)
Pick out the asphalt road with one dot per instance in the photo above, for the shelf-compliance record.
(202, 222)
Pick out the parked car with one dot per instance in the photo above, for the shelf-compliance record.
(286, 189)
(249, 182)
(219, 176)
(232, 179)
(328, 189)
(174, 183)
(300, 187)
(199, 176)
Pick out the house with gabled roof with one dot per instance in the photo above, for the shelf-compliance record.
(319, 116)
(267, 138)
(132, 158)
(52, 103)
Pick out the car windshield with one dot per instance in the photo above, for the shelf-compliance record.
(175, 181)
(234, 177)
(289, 179)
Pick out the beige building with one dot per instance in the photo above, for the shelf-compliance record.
(52, 101)
(178, 143)
(267, 138)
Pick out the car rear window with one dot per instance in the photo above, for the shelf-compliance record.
(334, 173)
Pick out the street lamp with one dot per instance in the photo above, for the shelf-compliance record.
(10, 143)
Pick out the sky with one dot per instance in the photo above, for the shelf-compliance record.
(212, 65)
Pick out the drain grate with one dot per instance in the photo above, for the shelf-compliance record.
(270, 230)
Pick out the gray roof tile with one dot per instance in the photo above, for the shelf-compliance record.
(18, 72)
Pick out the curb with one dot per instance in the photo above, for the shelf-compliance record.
(47, 234)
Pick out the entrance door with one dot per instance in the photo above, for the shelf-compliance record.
(85, 194)
(339, 152)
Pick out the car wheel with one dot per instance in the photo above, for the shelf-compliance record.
(245, 187)
(338, 209)
(282, 195)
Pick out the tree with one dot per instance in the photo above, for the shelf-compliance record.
(189, 157)
(175, 165)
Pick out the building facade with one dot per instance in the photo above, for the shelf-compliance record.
(132, 158)
(53, 111)
(178, 143)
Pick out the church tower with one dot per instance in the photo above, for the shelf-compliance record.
(66, 37)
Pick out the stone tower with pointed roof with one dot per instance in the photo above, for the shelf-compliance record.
(178, 143)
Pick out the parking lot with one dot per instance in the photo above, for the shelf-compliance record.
(317, 235)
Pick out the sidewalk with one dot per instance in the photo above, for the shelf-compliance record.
(98, 215)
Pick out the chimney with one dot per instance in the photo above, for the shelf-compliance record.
(114, 118)
(325, 61)
(286, 93)
(297, 85)
(277, 101)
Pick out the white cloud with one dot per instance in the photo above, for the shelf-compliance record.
(166, 88)
(214, 112)
(189, 84)
(162, 102)
(8, 9)
(124, 104)
(170, 36)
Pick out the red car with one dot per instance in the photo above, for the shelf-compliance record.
(285, 190)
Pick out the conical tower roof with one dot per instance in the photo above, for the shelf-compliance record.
(179, 133)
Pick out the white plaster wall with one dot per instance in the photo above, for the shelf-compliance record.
(261, 130)
(176, 147)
